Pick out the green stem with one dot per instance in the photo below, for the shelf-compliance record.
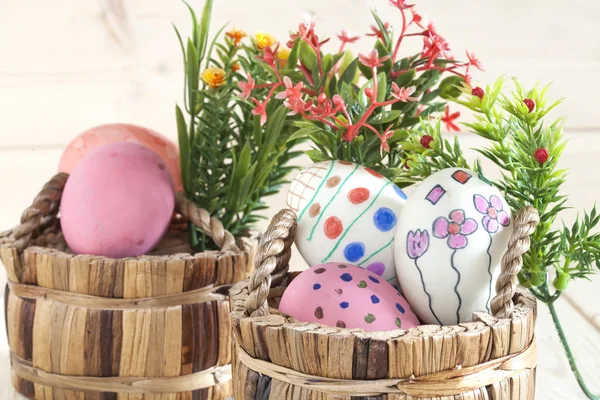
(569, 353)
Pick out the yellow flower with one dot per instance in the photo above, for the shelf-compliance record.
(236, 67)
(264, 40)
(214, 77)
(236, 35)
(282, 55)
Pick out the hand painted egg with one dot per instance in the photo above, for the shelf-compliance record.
(346, 296)
(452, 234)
(118, 202)
(116, 133)
(346, 213)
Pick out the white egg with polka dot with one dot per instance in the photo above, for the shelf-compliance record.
(346, 213)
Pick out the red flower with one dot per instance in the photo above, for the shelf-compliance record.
(416, 18)
(372, 59)
(449, 119)
(474, 61)
(541, 155)
(530, 104)
(403, 94)
(260, 109)
(291, 91)
(269, 56)
(297, 105)
(434, 45)
(246, 87)
(375, 32)
(426, 141)
(384, 138)
(478, 92)
(400, 4)
(345, 37)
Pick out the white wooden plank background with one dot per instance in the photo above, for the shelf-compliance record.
(67, 65)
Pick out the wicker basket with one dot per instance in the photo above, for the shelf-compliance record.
(280, 358)
(151, 327)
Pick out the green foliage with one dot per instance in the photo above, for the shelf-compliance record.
(229, 162)
(514, 134)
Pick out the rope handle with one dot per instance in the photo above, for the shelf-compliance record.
(274, 254)
(45, 206)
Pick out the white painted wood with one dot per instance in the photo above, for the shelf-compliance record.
(77, 64)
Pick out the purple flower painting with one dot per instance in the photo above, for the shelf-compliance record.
(493, 211)
(417, 243)
(456, 228)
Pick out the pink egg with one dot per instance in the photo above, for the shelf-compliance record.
(347, 296)
(118, 202)
(113, 133)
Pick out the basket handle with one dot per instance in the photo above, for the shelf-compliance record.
(274, 254)
(45, 206)
(272, 260)
(525, 221)
(211, 226)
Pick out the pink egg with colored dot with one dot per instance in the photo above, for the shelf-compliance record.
(118, 202)
(346, 296)
(122, 133)
(346, 213)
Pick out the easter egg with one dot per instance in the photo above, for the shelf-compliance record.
(114, 133)
(452, 234)
(346, 296)
(346, 213)
(118, 202)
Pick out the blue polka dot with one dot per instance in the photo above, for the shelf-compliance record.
(399, 192)
(373, 279)
(384, 219)
(344, 304)
(346, 277)
(374, 299)
(400, 308)
(316, 286)
(354, 251)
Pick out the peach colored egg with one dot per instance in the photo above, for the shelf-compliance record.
(346, 296)
(113, 133)
(118, 201)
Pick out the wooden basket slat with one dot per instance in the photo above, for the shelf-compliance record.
(351, 354)
(71, 339)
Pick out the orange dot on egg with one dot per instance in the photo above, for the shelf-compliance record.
(374, 173)
(358, 195)
(333, 227)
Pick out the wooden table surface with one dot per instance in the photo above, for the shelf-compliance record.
(68, 65)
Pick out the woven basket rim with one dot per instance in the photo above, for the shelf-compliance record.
(525, 308)
(247, 243)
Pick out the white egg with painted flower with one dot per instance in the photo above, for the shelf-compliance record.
(346, 213)
(450, 239)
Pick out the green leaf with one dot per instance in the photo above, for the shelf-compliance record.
(381, 86)
(385, 117)
(327, 64)
(330, 89)
(308, 56)
(366, 71)
(349, 73)
(317, 155)
(203, 29)
(406, 78)
(451, 87)
(184, 147)
(384, 32)
(382, 51)
(212, 45)
(293, 57)
(193, 76)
